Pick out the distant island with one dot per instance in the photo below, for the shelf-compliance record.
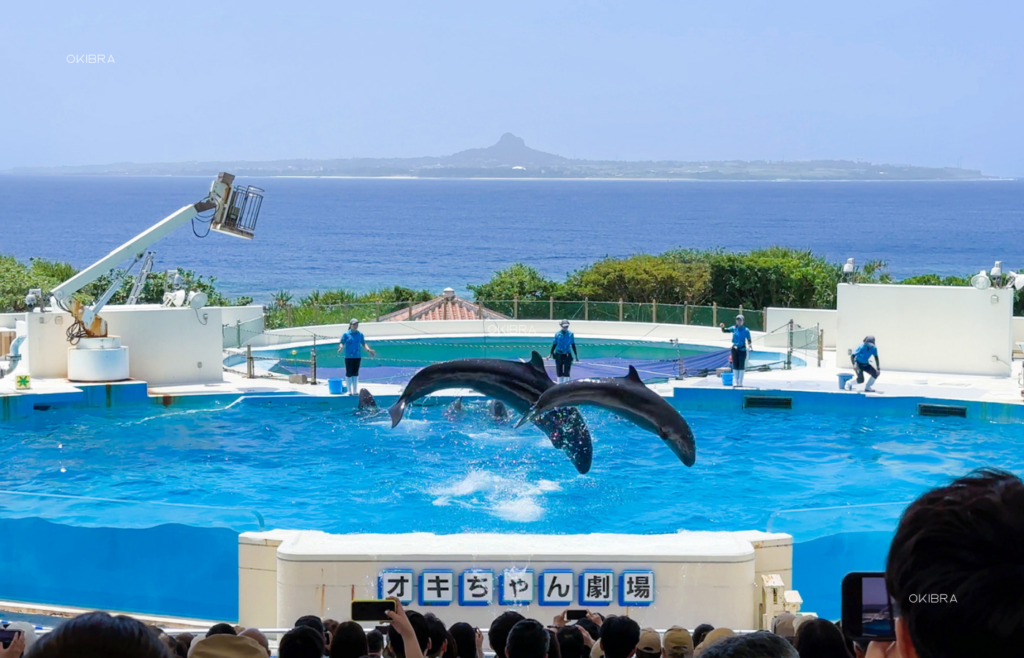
(512, 158)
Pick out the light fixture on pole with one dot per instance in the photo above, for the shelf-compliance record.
(848, 269)
(981, 280)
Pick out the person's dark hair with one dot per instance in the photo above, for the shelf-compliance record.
(301, 642)
(331, 625)
(554, 650)
(419, 626)
(465, 639)
(98, 635)
(314, 622)
(701, 632)
(221, 629)
(349, 641)
(182, 643)
(451, 649)
(592, 629)
(570, 642)
(965, 540)
(500, 627)
(438, 633)
(819, 638)
(374, 641)
(527, 639)
(761, 644)
(619, 636)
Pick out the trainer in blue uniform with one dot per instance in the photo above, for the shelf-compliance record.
(861, 359)
(740, 342)
(562, 350)
(353, 342)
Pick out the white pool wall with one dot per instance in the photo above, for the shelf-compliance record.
(711, 577)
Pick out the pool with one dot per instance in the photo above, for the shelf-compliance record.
(324, 468)
(398, 357)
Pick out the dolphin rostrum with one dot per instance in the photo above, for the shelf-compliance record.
(627, 397)
(519, 385)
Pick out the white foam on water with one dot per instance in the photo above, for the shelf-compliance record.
(508, 498)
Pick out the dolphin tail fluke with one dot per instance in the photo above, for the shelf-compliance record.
(528, 416)
(397, 411)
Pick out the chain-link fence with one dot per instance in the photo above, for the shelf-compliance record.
(526, 309)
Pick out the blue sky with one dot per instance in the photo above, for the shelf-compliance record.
(898, 82)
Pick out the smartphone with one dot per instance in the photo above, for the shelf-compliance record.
(6, 637)
(372, 610)
(383, 630)
(869, 613)
(573, 615)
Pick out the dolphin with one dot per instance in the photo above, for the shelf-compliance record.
(628, 397)
(497, 410)
(366, 401)
(516, 384)
(454, 410)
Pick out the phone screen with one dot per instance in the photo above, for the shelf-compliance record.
(573, 615)
(869, 612)
(6, 637)
(374, 610)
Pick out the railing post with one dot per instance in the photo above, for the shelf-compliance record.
(248, 361)
(714, 314)
(312, 361)
(411, 304)
(238, 333)
(686, 313)
(741, 309)
(620, 309)
(586, 308)
(551, 308)
(515, 307)
(789, 349)
(654, 311)
(821, 343)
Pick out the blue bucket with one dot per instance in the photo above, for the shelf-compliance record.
(726, 379)
(335, 385)
(843, 378)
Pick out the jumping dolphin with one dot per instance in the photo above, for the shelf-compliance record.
(497, 410)
(518, 385)
(366, 401)
(627, 397)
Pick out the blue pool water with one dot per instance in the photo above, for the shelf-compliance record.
(332, 470)
(314, 466)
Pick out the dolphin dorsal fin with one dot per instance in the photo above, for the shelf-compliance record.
(537, 361)
(634, 376)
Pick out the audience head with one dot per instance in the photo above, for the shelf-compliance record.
(715, 635)
(349, 641)
(619, 636)
(98, 635)
(783, 625)
(451, 649)
(677, 643)
(182, 642)
(465, 639)
(500, 627)
(701, 632)
(962, 541)
(527, 639)
(571, 643)
(761, 644)
(227, 644)
(419, 626)
(374, 643)
(590, 627)
(438, 634)
(317, 624)
(649, 645)
(301, 642)
(221, 629)
(257, 636)
(819, 638)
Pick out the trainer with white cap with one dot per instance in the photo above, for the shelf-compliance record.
(353, 342)
(563, 348)
(740, 342)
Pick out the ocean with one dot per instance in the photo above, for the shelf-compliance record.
(326, 233)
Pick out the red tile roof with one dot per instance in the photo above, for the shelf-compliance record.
(443, 308)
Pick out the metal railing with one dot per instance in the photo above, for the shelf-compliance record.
(526, 309)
